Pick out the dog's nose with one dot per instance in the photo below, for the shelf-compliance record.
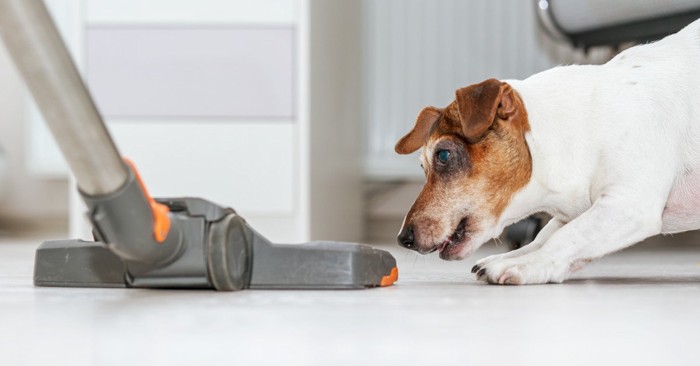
(406, 238)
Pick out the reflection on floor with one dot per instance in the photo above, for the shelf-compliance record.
(637, 307)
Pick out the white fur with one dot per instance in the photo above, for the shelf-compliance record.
(616, 157)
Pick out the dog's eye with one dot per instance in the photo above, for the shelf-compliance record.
(442, 156)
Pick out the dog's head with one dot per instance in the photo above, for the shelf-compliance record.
(475, 158)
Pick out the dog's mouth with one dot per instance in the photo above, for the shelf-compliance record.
(454, 242)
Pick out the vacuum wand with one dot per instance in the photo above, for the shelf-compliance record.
(70, 113)
(146, 242)
(42, 59)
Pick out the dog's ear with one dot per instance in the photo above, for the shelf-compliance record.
(419, 134)
(480, 104)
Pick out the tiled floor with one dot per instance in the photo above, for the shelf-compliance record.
(639, 307)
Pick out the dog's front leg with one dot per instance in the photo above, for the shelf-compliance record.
(547, 231)
(608, 226)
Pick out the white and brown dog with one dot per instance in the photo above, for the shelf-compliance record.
(612, 152)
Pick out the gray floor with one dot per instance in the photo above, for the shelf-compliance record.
(638, 307)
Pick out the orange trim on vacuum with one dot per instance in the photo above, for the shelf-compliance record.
(161, 217)
(389, 279)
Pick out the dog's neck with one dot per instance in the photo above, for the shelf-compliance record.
(549, 187)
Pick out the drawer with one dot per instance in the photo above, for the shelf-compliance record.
(191, 72)
(248, 165)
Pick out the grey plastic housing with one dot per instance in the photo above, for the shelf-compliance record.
(219, 251)
(318, 265)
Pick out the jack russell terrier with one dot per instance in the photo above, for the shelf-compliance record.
(611, 152)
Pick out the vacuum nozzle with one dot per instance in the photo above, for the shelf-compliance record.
(218, 250)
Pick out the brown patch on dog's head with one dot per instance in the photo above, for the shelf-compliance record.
(475, 159)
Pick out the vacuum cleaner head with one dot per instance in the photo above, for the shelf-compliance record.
(219, 251)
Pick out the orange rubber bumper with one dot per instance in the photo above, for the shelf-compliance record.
(389, 279)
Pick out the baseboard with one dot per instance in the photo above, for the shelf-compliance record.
(47, 226)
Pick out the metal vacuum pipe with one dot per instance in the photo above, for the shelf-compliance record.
(43, 60)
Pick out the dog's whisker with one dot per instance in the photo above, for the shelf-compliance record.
(498, 241)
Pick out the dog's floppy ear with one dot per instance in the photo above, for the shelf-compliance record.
(419, 134)
(480, 104)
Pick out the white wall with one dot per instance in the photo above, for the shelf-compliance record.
(24, 195)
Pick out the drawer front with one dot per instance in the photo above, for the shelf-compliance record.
(248, 165)
(191, 72)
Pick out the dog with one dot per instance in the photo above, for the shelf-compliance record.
(611, 152)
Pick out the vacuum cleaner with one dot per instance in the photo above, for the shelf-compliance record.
(145, 242)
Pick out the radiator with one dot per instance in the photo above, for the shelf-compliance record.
(418, 52)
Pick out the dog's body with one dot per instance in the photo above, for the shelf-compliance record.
(613, 154)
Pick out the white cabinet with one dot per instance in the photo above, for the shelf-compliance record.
(237, 102)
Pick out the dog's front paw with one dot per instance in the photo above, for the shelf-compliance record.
(523, 270)
(481, 263)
